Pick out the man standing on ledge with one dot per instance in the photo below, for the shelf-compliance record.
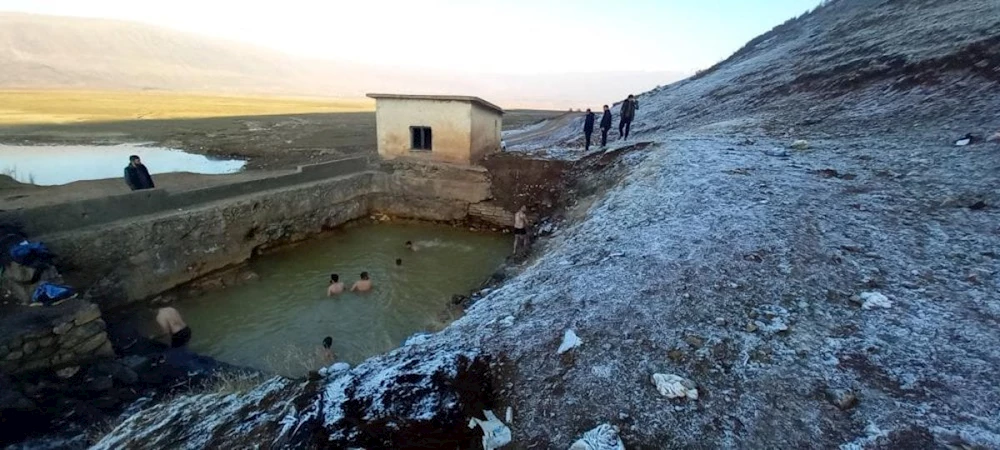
(588, 128)
(520, 229)
(171, 323)
(136, 175)
(629, 106)
(605, 125)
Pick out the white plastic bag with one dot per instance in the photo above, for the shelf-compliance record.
(570, 340)
(673, 386)
(603, 437)
(495, 433)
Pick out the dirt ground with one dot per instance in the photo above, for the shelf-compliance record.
(266, 142)
(270, 144)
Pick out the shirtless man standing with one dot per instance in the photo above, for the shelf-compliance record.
(336, 286)
(362, 285)
(171, 323)
(520, 229)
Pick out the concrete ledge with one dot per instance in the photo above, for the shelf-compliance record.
(68, 216)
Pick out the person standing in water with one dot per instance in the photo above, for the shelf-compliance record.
(605, 125)
(362, 285)
(588, 128)
(325, 352)
(629, 106)
(171, 323)
(336, 286)
(136, 175)
(520, 229)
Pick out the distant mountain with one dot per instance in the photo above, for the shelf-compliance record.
(39, 51)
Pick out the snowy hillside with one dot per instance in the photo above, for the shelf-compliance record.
(843, 293)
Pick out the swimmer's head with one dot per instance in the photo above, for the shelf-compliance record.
(364, 275)
(399, 261)
(334, 278)
(409, 244)
(327, 342)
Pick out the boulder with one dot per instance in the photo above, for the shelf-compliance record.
(411, 398)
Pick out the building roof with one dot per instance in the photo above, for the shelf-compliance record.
(453, 98)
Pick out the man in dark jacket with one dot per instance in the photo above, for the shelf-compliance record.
(629, 106)
(136, 175)
(588, 127)
(605, 125)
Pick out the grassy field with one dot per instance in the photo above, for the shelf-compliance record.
(68, 106)
(270, 133)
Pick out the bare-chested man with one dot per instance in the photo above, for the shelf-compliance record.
(171, 323)
(336, 286)
(325, 352)
(362, 285)
(520, 229)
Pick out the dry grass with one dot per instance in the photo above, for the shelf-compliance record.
(293, 362)
(233, 382)
(67, 106)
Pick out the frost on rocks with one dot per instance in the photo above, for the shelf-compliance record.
(673, 386)
(495, 433)
(872, 300)
(603, 437)
(570, 340)
(873, 83)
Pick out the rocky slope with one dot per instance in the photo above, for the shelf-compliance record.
(843, 294)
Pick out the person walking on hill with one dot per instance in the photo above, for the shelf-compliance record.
(629, 106)
(136, 175)
(588, 127)
(605, 125)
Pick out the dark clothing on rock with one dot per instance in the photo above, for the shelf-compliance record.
(180, 338)
(604, 136)
(137, 177)
(587, 134)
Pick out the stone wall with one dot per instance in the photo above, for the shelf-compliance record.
(96, 211)
(142, 257)
(36, 338)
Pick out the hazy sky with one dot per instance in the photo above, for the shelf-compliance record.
(502, 36)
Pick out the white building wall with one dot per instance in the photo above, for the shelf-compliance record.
(450, 122)
(486, 126)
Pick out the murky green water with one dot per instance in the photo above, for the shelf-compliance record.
(278, 322)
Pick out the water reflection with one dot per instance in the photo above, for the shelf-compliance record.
(60, 164)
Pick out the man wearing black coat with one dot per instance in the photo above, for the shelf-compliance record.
(136, 175)
(628, 113)
(588, 127)
(605, 125)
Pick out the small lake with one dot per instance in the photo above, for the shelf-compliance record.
(278, 321)
(48, 165)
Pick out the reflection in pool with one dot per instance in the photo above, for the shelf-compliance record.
(60, 164)
(278, 321)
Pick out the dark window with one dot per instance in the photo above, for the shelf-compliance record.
(420, 138)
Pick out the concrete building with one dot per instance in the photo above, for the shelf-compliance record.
(447, 128)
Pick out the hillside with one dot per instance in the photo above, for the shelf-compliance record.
(841, 294)
(38, 51)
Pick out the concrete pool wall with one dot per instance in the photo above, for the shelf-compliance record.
(131, 247)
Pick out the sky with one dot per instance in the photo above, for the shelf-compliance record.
(476, 36)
